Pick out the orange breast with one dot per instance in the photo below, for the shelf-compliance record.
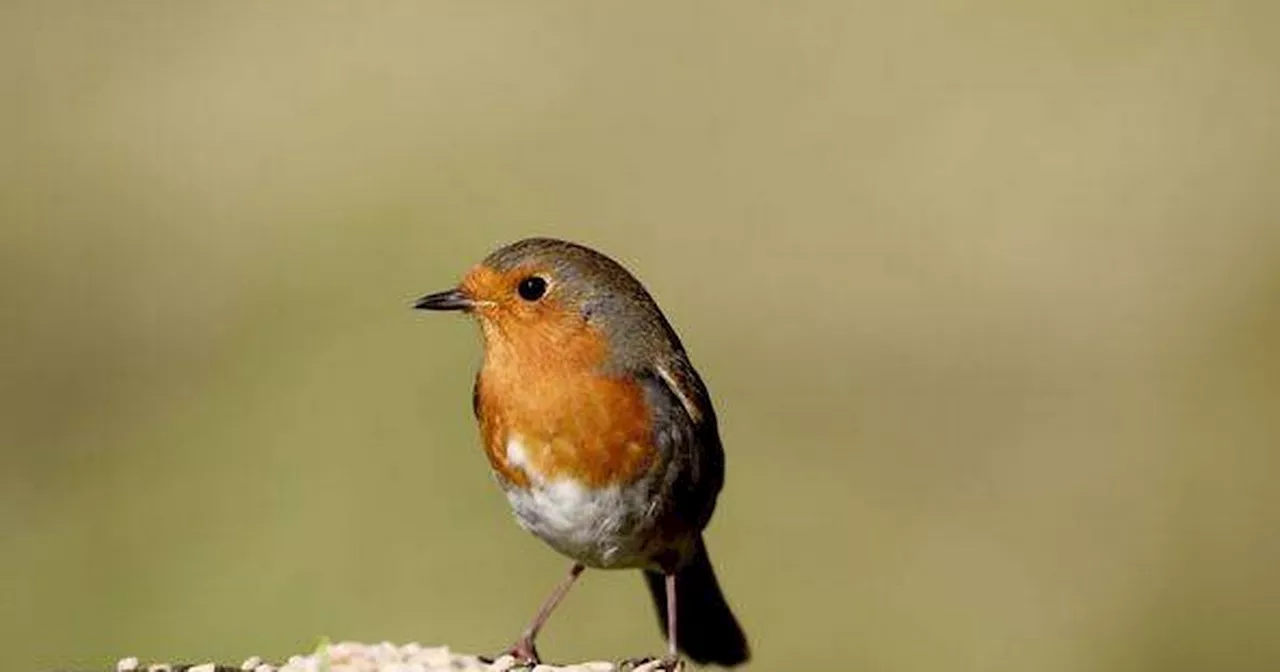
(568, 420)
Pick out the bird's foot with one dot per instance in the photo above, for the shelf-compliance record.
(667, 663)
(524, 653)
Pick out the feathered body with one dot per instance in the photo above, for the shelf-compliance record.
(597, 426)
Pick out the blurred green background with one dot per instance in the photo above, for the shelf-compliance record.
(988, 295)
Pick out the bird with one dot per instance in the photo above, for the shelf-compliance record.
(600, 432)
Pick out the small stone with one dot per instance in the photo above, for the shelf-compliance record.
(127, 664)
(251, 663)
(339, 653)
(503, 663)
(435, 656)
(263, 667)
(470, 663)
(299, 663)
(207, 667)
(598, 666)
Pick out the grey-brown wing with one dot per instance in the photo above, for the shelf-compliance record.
(686, 431)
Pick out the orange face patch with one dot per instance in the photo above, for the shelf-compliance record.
(540, 386)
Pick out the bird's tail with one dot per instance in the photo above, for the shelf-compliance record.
(706, 629)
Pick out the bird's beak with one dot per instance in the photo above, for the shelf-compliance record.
(453, 299)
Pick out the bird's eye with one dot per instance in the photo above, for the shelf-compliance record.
(532, 288)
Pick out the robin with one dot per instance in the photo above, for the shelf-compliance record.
(600, 432)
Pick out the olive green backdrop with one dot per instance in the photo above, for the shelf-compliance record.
(987, 294)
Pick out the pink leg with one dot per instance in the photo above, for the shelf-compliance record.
(524, 650)
(671, 618)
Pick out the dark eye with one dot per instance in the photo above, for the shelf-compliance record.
(532, 288)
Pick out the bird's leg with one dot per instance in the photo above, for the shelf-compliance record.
(671, 616)
(671, 661)
(673, 657)
(524, 650)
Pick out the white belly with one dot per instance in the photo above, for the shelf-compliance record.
(599, 527)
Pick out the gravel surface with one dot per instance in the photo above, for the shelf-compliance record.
(385, 657)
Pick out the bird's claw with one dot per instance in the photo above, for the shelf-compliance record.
(523, 654)
(666, 663)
